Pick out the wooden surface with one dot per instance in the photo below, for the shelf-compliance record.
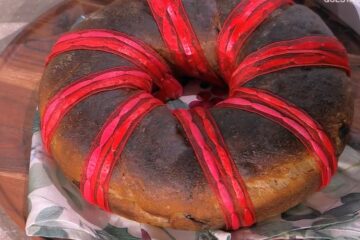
(21, 66)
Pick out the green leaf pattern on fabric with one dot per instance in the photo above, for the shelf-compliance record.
(49, 213)
(118, 233)
(51, 232)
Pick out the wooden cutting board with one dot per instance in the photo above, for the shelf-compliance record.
(21, 66)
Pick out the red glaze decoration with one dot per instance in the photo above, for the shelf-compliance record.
(227, 167)
(64, 100)
(181, 40)
(307, 51)
(201, 129)
(109, 145)
(218, 166)
(239, 25)
(307, 130)
(125, 46)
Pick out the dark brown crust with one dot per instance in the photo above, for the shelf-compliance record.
(157, 180)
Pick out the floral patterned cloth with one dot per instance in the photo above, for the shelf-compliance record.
(56, 208)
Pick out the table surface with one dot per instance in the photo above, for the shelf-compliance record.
(21, 66)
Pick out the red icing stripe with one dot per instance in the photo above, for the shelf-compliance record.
(306, 51)
(239, 25)
(307, 130)
(217, 166)
(181, 40)
(64, 100)
(207, 161)
(228, 168)
(125, 46)
(109, 144)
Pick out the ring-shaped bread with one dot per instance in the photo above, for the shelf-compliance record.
(161, 176)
